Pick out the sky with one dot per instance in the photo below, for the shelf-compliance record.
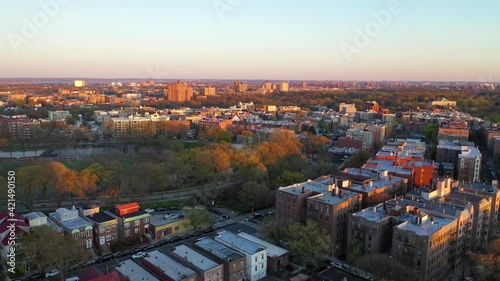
(426, 40)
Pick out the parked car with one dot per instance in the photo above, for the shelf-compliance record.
(336, 264)
(89, 262)
(108, 257)
(226, 216)
(198, 233)
(257, 215)
(98, 260)
(74, 278)
(136, 250)
(174, 208)
(160, 209)
(162, 242)
(122, 254)
(138, 255)
(175, 239)
(271, 212)
(149, 247)
(36, 276)
(186, 236)
(52, 273)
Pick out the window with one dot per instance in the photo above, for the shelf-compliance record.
(82, 234)
(146, 220)
(241, 264)
(114, 236)
(127, 233)
(127, 225)
(137, 222)
(255, 259)
(262, 256)
(255, 268)
(234, 266)
(89, 233)
(102, 229)
(136, 231)
(108, 237)
(113, 227)
(209, 276)
(177, 228)
(262, 265)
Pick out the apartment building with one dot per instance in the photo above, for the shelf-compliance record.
(323, 201)
(59, 115)
(234, 263)
(206, 268)
(74, 225)
(255, 254)
(179, 92)
(132, 221)
(130, 270)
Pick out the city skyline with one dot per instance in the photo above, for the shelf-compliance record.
(250, 40)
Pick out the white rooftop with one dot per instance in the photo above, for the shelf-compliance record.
(197, 259)
(134, 272)
(217, 249)
(272, 250)
(170, 267)
(238, 242)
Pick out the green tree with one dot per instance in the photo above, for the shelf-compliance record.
(358, 159)
(199, 217)
(431, 132)
(254, 195)
(31, 179)
(48, 248)
(382, 266)
(308, 244)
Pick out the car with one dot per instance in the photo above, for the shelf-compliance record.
(198, 233)
(175, 239)
(36, 276)
(138, 255)
(162, 242)
(336, 264)
(136, 250)
(226, 216)
(271, 212)
(209, 229)
(98, 260)
(257, 215)
(174, 208)
(186, 236)
(344, 266)
(160, 209)
(89, 262)
(108, 257)
(52, 273)
(149, 247)
(122, 254)
(74, 278)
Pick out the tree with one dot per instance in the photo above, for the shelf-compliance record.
(199, 217)
(382, 266)
(358, 159)
(49, 248)
(254, 195)
(308, 244)
(31, 179)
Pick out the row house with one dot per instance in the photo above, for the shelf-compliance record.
(105, 227)
(205, 268)
(74, 225)
(132, 221)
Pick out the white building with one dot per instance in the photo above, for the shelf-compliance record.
(79, 83)
(59, 115)
(256, 255)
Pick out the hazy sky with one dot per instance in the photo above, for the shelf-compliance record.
(252, 39)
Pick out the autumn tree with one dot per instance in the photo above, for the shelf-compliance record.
(31, 179)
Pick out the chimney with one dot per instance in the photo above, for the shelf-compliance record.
(185, 258)
(364, 185)
(303, 189)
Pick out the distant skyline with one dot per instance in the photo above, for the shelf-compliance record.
(251, 39)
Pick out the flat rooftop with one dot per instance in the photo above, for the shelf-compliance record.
(162, 219)
(73, 223)
(320, 186)
(170, 267)
(195, 258)
(217, 249)
(388, 165)
(426, 228)
(238, 242)
(100, 217)
(135, 214)
(272, 250)
(134, 271)
(375, 213)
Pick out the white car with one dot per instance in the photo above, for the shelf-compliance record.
(138, 255)
(54, 272)
(75, 278)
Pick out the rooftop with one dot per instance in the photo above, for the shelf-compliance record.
(321, 186)
(376, 213)
(162, 219)
(134, 272)
(195, 258)
(238, 242)
(72, 223)
(426, 227)
(272, 250)
(217, 249)
(170, 267)
(135, 214)
(100, 217)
